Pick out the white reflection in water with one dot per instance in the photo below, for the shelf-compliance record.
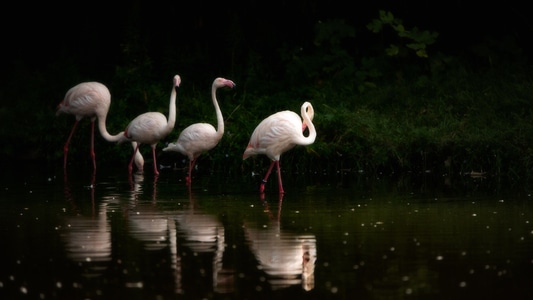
(146, 222)
(287, 258)
(204, 234)
(88, 240)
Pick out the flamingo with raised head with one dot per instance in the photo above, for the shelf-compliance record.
(279, 133)
(150, 127)
(201, 137)
(90, 100)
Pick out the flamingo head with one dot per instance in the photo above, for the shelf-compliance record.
(177, 80)
(221, 82)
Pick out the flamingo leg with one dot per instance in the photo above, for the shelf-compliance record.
(188, 179)
(156, 172)
(93, 155)
(262, 186)
(280, 184)
(130, 166)
(65, 148)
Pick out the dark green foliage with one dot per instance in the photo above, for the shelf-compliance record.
(391, 103)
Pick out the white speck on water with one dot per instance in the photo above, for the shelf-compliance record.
(138, 284)
(59, 284)
(23, 290)
(408, 291)
(405, 278)
(462, 284)
(334, 289)
(439, 257)
(474, 215)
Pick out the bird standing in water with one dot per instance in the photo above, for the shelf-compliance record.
(150, 127)
(89, 100)
(279, 133)
(200, 137)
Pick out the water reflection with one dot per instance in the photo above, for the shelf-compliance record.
(201, 239)
(287, 258)
(146, 222)
(88, 237)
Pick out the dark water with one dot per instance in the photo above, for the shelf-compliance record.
(350, 238)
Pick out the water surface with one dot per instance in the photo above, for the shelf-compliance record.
(355, 237)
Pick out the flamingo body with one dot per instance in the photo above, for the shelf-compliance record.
(279, 133)
(89, 100)
(201, 137)
(150, 127)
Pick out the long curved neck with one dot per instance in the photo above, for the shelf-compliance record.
(307, 120)
(172, 109)
(103, 130)
(220, 118)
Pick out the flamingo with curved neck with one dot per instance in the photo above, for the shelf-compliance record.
(201, 137)
(89, 100)
(279, 133)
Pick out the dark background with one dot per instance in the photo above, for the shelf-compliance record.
(267, 48)
(96, 34)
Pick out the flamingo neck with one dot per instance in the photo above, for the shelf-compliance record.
(172, 109)
(220, 118)
(307, 121)
(103, 130)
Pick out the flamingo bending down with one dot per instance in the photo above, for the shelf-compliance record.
(91, 100)
(279, 133)
(150, 127)
(201, 137)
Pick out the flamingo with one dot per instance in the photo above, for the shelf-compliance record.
(279, 133)
(92, 100)
(150, 127)
(201, 137)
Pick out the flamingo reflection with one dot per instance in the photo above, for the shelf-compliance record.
(88, 237)
(203, 235)
(287, 258)
(146, 222)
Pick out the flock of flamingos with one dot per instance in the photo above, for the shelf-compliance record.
(273, 136)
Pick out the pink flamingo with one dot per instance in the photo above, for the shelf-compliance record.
(91, 100)
(279, 133)
(150, 127)
(201, 137)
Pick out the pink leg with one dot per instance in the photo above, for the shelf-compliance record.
(156, 172)
(93, 155)
(130, 166)
(280, 185)
(262, 186)
(188, 178)
(65, 148)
